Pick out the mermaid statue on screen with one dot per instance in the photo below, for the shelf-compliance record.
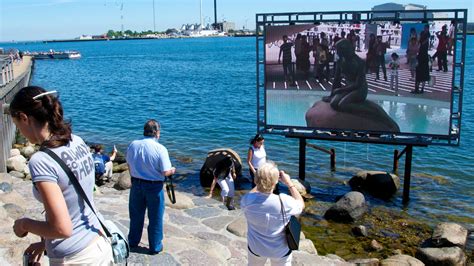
(347, 106)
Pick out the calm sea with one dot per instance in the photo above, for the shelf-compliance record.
(203, 93)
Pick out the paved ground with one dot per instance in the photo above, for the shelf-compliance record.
(198, 231)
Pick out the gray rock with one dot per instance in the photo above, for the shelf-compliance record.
(203, 212)
(124, 181)
(17, 174)
(197, 257)
(14, 152)
(16, 163)
(401, 260)
(375, 245)
(163, 259)
(5, 187)
(450, 256)
(322, 115)
(307, 245)
(180, 219)
(360, 230)
(28, 151)
(347, 209)
(238, 227)
(303, 258)
(182, 201)
(118, 168)
(171, 230)
(365, 262)
(214, 237)
(379, 184)
(201, 201)
(3, 213)
(303, 187)
(448, 235)
(14, 210)
(218, 223)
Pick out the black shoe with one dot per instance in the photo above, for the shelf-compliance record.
(154, 252)
(414, 92)
(230, 208)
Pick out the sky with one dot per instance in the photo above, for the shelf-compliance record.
(22, 20)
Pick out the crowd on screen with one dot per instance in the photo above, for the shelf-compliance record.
(315, 53)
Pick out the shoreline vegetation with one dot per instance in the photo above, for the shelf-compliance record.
(378, 234)
(147, 35)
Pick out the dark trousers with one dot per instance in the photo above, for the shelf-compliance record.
(288, 68)
(380, 61)
(145, 196)
(442, 60)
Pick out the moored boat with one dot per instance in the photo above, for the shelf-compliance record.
(51, 54)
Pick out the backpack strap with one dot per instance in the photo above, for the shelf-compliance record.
(75, 183)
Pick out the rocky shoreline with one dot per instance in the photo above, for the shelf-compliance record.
(202, 231)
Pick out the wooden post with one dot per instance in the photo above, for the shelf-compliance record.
(395, 161)
(407, 177)
(333, 160)
(302, 168)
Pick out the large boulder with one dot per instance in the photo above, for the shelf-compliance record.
(15, 152)
(322, 115)
(303, 187)
(348, 208)
(452, 256)
(448, 235)
(16, 163)
(124, 181)
(379, 184)
(365, 262)
(182, 201)
(28, 150)
(238, 227)
(398, 260)
(213, 157)
(118, 168)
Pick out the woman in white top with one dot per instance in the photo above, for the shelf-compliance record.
(266, 237)
(256, 156)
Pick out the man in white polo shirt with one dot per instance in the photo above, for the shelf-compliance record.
(149, 164)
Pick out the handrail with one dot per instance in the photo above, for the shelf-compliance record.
(6, 70)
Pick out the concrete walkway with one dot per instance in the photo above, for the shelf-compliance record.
(21, 67)
(198, 231)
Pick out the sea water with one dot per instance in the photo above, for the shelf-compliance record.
(203, 92)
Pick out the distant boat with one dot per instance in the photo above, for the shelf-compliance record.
(51, 54)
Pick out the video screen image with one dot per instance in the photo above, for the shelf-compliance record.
(384, 77)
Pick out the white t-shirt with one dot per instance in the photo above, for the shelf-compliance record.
(259, 156)
(265, 235)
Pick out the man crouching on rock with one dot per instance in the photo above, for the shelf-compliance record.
(149, 164)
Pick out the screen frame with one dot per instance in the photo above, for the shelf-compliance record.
(420, 16)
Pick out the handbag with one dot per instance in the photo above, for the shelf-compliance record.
(118, 241)
(292, 229)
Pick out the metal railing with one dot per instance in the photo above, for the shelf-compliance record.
(7, 128)
(6, 73)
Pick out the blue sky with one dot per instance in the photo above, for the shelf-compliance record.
(61, 19)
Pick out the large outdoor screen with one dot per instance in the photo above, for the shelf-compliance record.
(376, 76)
